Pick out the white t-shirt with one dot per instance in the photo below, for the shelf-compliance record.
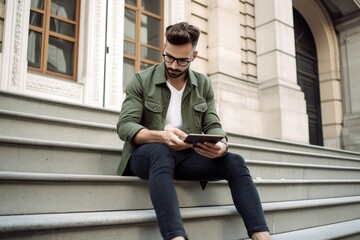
(173, 115)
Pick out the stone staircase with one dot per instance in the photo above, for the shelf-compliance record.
(58, 181)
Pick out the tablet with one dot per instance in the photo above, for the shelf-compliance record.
(196, 138)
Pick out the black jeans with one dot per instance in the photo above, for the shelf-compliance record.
(160, 165)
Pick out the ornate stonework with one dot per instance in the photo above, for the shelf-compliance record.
(97, 67)
(54, 87)
(16, 54)
(114, 88)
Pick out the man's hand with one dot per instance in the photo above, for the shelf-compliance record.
(211, 150)
(174, 139)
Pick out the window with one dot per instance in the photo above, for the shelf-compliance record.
(143, 32)
(53, 37)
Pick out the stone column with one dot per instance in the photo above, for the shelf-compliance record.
(282, 102)
(350, 69)
(224, 38)
(231, 45)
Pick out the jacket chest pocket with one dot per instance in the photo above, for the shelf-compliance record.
(152, 115)
(199, 111)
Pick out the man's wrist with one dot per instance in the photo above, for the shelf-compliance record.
(226, 147)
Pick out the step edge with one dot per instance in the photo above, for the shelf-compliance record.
(84, 146)
(303, 153)
(58, 144)
(40, 142)
(64, 104)
(58, 120)
(61, 177)
(37, 222)
(302, 165)
(328, 231)
(293, 143)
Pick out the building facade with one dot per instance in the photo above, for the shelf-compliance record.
(282, 69)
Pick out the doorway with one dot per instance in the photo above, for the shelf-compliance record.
(308, 77)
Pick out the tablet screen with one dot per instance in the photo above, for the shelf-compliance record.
(196, 138)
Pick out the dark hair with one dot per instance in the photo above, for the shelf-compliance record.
(182, 33)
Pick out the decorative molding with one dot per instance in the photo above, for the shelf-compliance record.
(16, 55)
(54, 86)
(114, 90)
(97, 73)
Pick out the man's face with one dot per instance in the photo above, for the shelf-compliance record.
(178, 59)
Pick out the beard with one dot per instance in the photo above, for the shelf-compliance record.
(175, 73)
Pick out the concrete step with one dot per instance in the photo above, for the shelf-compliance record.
(284, 170)
(38, 127)
(56, 129)
(45, 107)
(69, 131)
(288, 145)
(292, 156)
(32, 193)
(343, 230)
(54, 169)
(220, 222)
(60, 112)
(33, 155)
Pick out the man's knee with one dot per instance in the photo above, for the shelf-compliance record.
(237, 164)
(159, 156)
(149, 158)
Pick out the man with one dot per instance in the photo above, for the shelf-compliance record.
(163, 104)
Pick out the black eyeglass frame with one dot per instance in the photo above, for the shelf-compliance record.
(177, 60)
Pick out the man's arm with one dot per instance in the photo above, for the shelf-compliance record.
(211, 125)
(172, 138)
(131, 111)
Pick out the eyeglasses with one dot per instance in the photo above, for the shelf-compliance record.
(180, 61)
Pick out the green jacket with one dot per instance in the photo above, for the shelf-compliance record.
(147, 100)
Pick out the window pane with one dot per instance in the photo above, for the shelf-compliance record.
(149, 53)
(144, 66)
(150, 29)
(36, 19)
(62, 27)
(64, 8)
(131, 2)
(129, 71)
(129, 25)
(129, 48)
(60, 56)
(34, 49)
(39, 4)
(151, 6)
